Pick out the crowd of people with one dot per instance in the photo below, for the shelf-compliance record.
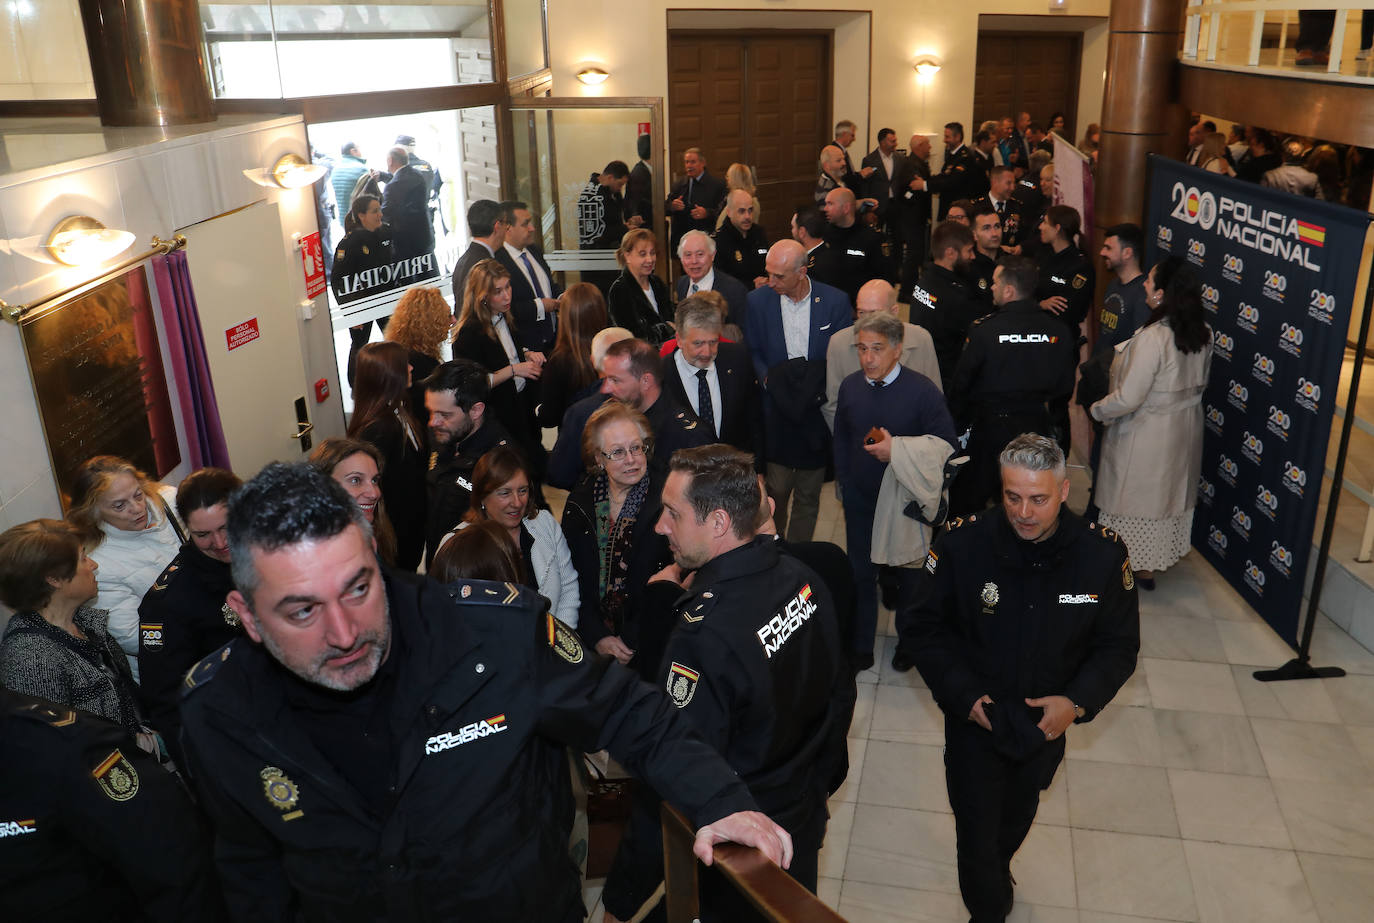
(307, 648)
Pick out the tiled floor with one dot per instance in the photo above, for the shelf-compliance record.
(1200, 794)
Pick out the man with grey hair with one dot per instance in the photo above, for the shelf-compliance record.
(697, 253)
(788, 327)
(1025, 622)
(714, 378)
(842, 355)
(362, 751)
(881, 401)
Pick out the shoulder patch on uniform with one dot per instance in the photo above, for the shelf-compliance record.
(150, 635)
(1080, 280)
(117, 777)
(1127, 577)
(699, 607)
(682, 684)
(205, 671)
(48, 713)
(563, 640)
(932, 560)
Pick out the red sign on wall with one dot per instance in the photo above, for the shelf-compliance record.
(312, 256)
(643, 128)
(242, 334)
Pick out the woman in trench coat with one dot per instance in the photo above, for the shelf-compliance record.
(1152, 448)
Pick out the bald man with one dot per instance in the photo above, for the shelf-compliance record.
(842, 356)
(793, 318)
(911, 202)
(741, 243)
(857, 247)
(833, 171)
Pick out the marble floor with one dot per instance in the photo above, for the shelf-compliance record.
(1199, 794)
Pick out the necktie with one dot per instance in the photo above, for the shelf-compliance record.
(534, 276)
(706, 412)
(691, 184)
(1001, 209)
(695, 289)
(879, 384)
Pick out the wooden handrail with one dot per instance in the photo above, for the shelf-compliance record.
(774, 893)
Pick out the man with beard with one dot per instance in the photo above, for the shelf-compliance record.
(460, 432)
(940, 300)
(389, 749)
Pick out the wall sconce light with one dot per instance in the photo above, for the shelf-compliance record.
(927, 66)
(81, 240)
(1058, 6)
(591, 75)
(290, 172)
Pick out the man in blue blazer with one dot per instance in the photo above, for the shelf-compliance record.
(788, 326)
(534, 311)
(697, 252)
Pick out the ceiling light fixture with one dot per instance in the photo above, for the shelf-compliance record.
(591, 75)
(928, 66)
(291, 171)
(80, 240)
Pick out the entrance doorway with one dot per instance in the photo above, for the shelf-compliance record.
(1027, 72)
(763, 100)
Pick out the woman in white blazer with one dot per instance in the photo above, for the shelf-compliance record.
(501, 494)
(131, 532)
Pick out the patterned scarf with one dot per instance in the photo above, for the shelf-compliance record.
(613, 538)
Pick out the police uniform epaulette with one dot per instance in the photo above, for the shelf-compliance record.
(48, 713)
(699, 607)
(164, 578)
(1105, 532)
(490, 592)
(961, 521)
(205, 670)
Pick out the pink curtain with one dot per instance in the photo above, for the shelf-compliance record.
(186, 344)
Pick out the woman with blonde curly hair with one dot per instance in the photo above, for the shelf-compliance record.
(421, 323)
(129, 529)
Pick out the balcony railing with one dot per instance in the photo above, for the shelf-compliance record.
(1261, 35)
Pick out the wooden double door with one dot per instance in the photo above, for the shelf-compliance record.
(1027, 72)
(762, 100)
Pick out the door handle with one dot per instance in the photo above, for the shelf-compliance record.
(302, 430)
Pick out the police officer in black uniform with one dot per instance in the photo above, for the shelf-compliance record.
(184, 615)
(1015, 361)
(809, 229)
(1001, 182)
(987, 250)
(366, 245)
(1065, 289)
(741, 244)
(91, 827)
(392, 749)
(1026, 622)
(754, 662)
(460, 432)
(858, 248)
(962, 176)
(940, 299)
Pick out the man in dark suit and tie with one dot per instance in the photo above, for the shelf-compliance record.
(788, 327)
(696, 199)
(697, 252)
(534, 292)
(488, 234)
(715, 379)
(886, 163)
(911, 207)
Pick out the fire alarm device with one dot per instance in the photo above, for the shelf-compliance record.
(321, 391)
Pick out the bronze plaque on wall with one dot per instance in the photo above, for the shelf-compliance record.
(97, 371)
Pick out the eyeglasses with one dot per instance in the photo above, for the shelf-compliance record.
(620, 453)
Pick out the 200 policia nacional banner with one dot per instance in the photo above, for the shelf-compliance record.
(1279, 274)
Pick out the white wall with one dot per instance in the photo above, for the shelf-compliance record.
(43, 51)
(149, 189)
(881, 91)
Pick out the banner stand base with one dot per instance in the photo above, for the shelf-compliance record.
(1297, 668)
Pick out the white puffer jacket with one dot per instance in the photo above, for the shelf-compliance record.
(554, 574)
(129, 562)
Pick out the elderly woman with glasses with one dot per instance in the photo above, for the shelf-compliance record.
(608, 521)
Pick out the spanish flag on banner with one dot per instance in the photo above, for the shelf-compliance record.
(1313, 234)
